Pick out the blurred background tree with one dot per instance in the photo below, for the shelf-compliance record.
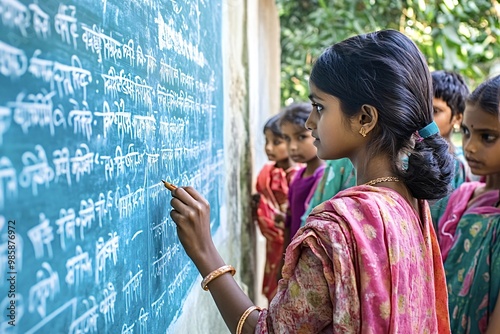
(457, 35)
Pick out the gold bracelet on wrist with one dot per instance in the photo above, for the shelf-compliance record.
(216, 273)
(244, 317)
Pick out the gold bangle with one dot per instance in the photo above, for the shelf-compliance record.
(244, 317)
(216, 273)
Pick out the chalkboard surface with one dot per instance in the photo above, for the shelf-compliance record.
(99, 101)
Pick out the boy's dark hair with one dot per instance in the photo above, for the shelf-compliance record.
(386, 70)
(487, 96)
(273, 124)
(452, 89)
(296, 113)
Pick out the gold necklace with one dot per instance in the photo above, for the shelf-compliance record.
(382, 179)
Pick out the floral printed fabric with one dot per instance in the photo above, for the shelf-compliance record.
(363, 263)
(272, 184)
(469, 234)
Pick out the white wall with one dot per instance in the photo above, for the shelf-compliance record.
(264, 99)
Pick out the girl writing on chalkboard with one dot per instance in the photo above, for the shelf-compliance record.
(271, 200)
(366, 260)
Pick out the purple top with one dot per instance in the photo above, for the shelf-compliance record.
(299, 195)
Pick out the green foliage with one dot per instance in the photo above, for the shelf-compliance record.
(455, 35)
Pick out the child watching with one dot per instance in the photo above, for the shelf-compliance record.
(469, 230)
(450, 92)
(302, 150)
(271, 200)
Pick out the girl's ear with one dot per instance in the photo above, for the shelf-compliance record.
(456, 120)
(367, 119)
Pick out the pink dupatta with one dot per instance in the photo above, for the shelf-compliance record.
(363, 263)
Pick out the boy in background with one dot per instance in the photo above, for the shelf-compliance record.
(450, 93)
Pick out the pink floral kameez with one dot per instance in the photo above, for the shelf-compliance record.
(365, 262)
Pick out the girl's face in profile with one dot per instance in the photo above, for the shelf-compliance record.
(275, 147)
(333, 132)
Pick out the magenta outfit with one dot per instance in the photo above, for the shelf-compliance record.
(299, 195)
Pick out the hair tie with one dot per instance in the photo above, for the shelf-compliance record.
(429, 130)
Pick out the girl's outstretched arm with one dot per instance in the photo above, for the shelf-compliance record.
(191, 213)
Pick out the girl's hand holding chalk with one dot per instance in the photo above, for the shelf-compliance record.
(168, 185)
(191, 214)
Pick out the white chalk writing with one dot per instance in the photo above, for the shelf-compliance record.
(107, 305)
(47, 287)
(78, 267)
(132, 290)
(143, 318)
(87, 322)
(62, 164)
(104, 251)
(129, 202)
(41, 21)
(157, 305)
(5, 121)
(179, 279)
(14, 14)
(41, 235)
(36, 170)
(171, 39)
(36, 110)
(66, 226)
(126, 329)
(83, 162)
(7, 175)
(13, 61)
(82, 119)
(134, 86)
(65, 24)
(67, 78)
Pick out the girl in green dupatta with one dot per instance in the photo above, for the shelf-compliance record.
(469, 230)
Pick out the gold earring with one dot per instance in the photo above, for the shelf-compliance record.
(362, 131)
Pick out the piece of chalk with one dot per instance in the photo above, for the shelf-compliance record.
(168, 185)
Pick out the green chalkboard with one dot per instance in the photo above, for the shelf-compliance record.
(99, 101)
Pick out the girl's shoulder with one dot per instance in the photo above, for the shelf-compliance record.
(465, 191)
(364, 201)
(364, 212)
(458, 202)
(339, 163)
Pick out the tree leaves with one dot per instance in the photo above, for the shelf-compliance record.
(455, 35)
